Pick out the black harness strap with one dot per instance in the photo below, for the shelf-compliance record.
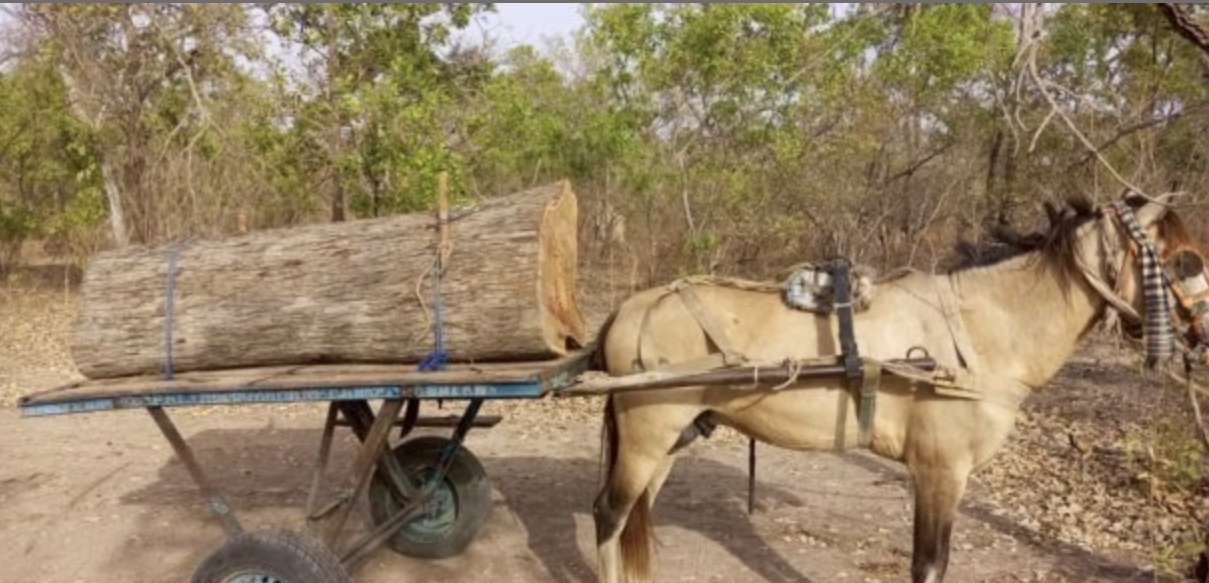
(843, 308)
(862, 378)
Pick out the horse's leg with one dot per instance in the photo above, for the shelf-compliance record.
(660, 476)
(622, 509)
(938, 492)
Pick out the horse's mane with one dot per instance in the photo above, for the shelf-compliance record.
(1053, 245)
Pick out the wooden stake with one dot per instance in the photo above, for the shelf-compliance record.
(442, 220)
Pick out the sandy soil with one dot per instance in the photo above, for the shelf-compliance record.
(100, 497)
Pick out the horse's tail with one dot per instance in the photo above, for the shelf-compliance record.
(596, 361)
(637, 536)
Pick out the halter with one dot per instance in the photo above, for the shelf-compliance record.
(1186, 280)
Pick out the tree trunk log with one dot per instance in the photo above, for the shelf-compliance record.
(356, 292)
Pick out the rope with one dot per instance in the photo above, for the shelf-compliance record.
(170, 306)
(437, 358)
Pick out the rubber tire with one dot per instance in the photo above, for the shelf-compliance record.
(277, 555)
(471, 496)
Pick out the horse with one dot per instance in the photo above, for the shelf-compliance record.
(1004, 327)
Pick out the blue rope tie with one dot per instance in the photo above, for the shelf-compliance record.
(436, 359)
(169, 306)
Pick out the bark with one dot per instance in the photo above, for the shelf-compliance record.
(113, 194)
(1184, 23)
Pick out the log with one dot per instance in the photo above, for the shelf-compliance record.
(351, 292)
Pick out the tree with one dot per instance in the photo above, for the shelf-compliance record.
(142, 77)
(49, 183)
(376, 94)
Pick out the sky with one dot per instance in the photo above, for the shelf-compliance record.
(517, 23)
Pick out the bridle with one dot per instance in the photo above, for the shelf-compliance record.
(1183, 274)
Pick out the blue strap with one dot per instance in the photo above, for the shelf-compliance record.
(169, 305)
(436, 359)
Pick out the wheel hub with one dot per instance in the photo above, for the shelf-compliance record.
(253, 578)
(440, 512)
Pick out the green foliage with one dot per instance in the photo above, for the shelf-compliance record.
(734, 137)
(47, 160)
(944, 46)
(380, 111)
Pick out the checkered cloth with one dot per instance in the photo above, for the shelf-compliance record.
(1160, 341)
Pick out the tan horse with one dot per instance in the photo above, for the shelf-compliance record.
(1023, 317)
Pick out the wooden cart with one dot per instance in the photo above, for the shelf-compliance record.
(428, 496)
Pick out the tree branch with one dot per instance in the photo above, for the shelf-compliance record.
(1184, 23)
(1137, 127)
(1029, 53)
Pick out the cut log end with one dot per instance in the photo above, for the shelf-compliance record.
(556, 281)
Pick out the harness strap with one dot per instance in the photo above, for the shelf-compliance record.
(842, 291)
(1115, 248)
(1107, 292)
(712, 329)
(957, 328)
(867, 412)
(863, 376)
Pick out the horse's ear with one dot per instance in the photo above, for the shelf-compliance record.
(1052, 212)
(1155, 207)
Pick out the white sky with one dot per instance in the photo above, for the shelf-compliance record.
(516, 23)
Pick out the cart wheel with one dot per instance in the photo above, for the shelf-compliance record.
(457, 509)
(278, 556)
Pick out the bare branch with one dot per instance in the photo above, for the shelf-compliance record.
(1140, 126)
(1185, 24)
(1029, 56)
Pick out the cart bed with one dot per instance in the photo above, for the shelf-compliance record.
(282, 384)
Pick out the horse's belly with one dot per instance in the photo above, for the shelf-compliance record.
(805, 418)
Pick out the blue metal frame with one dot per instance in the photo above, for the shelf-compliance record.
(513, 390)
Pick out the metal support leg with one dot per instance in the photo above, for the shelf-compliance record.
(751, 476)
(366, 460)
(218, 505)
(362, 548)
(472, 412)
(361, 418)
(325, 451)
(455, 441)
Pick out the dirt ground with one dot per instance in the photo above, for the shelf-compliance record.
(100, 497)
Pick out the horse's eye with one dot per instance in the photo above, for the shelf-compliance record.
(1187, 264)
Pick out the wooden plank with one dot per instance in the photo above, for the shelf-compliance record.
(552, 374)
(753, 376)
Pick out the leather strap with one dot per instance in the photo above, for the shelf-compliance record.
(872, 376)
(862, 376)
(712, 329)
(957, 328)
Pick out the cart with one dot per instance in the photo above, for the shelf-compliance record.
(428, 496)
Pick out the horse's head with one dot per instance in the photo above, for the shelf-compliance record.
(1147, 266)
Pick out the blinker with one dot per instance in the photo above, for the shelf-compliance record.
(1191, 286)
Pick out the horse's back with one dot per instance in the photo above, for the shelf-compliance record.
(661, 326)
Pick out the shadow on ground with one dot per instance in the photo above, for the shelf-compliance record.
(266, 474)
